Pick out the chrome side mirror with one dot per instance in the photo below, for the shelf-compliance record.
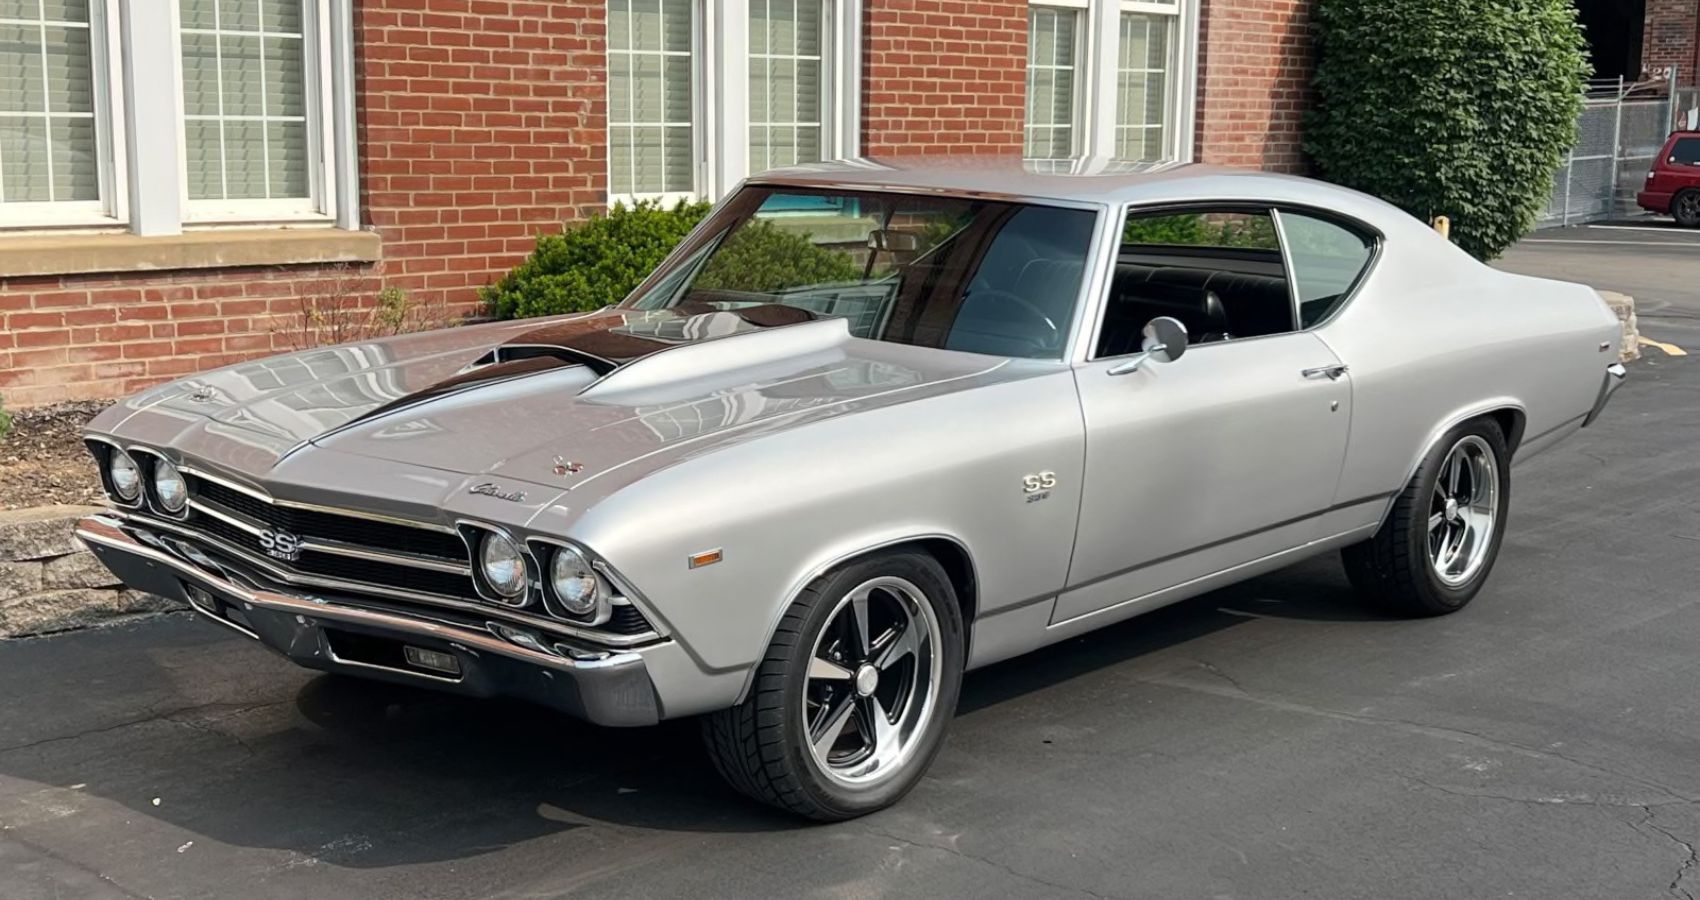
(1164, 341)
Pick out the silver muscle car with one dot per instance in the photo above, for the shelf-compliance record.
(870, 426)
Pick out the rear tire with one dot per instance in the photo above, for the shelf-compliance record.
(1437, 546)
(1685, 206)
(851, 702)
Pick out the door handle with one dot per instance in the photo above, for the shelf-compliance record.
(1332, 372)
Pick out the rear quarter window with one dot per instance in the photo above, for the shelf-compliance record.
(1328, 258)
(1686, 152)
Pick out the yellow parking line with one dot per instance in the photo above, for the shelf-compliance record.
(1670, 349)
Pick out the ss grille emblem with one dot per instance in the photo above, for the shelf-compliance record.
(280, 544)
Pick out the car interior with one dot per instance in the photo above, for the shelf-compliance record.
(1218, 291)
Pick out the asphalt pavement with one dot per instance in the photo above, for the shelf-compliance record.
(1649, 259)
(1272, 740)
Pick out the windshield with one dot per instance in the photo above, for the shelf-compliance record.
(981, 276)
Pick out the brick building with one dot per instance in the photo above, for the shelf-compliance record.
(175, 175)
(1636, 39)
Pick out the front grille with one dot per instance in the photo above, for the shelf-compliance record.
(224, 503)
(330, 526)
(345, 568)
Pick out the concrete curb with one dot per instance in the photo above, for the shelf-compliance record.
(50, 582)
(1624, 306)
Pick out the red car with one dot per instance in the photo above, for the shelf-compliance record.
(1673, 186)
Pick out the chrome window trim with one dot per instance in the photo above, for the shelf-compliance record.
(555, 626)
(1273, 209)
(260, 495)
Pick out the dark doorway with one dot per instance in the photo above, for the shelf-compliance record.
(1613, 29)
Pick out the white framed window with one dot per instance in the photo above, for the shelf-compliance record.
(1130, 69)
(651, 79)
(702, 93)
(59, 150)
(787, 92)
(1053, 88)
(254, 101)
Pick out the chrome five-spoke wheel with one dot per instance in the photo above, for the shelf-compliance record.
(850, 703)
(872, 680)
(1437, 544)
(1463, 511)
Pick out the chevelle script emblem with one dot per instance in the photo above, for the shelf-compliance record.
(495, 490)
(280, 544)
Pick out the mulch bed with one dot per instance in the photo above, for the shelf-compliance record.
(43, 461)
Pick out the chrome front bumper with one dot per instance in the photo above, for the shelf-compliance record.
(1615, 375)
(342, 635)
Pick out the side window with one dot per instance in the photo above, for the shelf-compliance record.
(1686, 152)
(1219, 271)
(1327, 259)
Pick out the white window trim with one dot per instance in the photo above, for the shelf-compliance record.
(1096, 84)
(112, 207)
(320, 203)
(720, 98)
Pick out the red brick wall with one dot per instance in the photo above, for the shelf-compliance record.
(1254, 68)
(1671, 38)
(943, 76)
(482, 123)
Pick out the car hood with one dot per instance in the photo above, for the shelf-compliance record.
(565, 403)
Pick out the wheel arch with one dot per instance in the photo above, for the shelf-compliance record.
(950, 551)
(1508, 412)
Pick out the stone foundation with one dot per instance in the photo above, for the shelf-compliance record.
(50, 582)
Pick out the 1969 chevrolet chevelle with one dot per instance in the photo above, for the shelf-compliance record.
(870, 426)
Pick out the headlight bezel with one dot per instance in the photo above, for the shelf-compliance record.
(487, 586)
(105, 451)
(609, 591)
(158, 497)
(115, 455)
(589, 609)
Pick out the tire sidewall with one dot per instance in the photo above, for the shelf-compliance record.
(927, 575)
(1435, 593)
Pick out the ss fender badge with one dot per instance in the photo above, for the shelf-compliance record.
(1037, 486)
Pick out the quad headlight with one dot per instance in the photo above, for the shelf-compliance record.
(502, 566)
(122, 473)
(576, 586)
(169, 488)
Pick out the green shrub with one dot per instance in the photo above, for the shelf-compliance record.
(5, 420)
(594, 263)
(1463, 108)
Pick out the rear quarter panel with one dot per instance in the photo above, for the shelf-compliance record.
(1435, 337)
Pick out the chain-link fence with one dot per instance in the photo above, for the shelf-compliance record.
(1619, 135)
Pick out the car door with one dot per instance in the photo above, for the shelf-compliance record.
(1222, 457)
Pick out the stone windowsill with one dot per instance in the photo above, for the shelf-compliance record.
(72, 254)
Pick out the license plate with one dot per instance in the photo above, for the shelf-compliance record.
(435, 660)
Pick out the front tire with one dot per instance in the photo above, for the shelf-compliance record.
(1434, 552)
(851, 702)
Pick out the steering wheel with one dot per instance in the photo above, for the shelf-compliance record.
(1020, 327)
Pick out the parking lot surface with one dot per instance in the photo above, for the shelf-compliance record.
(1271, 740)
(1651, 260)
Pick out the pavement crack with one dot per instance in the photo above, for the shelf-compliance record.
(104, 878)
(1689, 862)
(1552, 800)
(1000, 866)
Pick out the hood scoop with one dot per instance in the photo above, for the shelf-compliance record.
(610, 343)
